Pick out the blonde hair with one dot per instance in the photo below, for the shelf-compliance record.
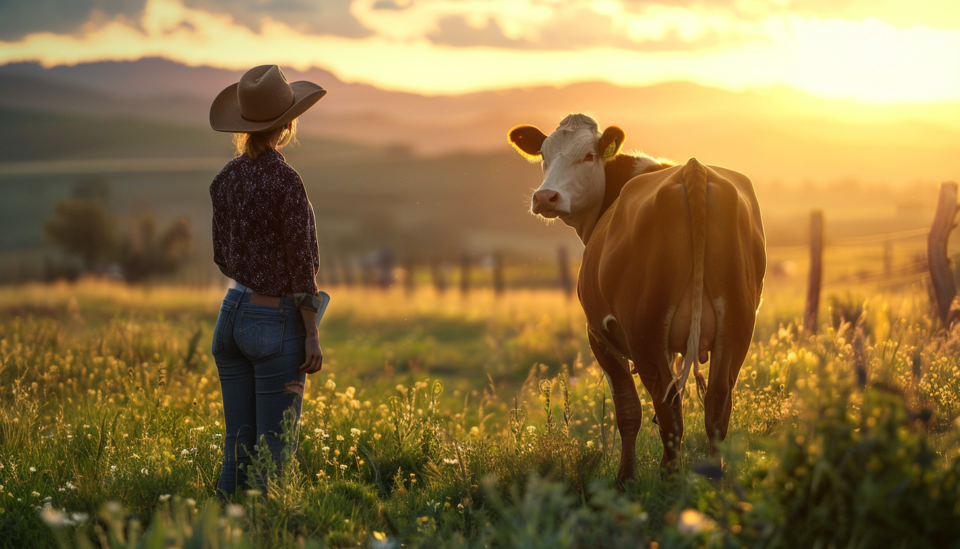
(257, 143)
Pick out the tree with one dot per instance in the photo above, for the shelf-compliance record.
(82, 226)
(147, 256)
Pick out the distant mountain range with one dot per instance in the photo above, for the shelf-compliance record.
(776, 135)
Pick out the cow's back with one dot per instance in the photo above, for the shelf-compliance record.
(639, 259)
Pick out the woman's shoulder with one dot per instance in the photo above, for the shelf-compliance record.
(278, 165)
(232, 167)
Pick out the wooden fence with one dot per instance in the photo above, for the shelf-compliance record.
(381, 269)
(942, 280)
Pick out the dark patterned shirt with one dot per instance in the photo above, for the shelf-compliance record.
(264, 230)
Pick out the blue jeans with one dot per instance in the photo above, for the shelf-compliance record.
(258, 350)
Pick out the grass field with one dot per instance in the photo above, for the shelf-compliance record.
(440, 421)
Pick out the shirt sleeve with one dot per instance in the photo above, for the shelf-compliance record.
(302, 253)
(218, 230)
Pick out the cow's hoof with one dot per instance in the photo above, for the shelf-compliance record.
(625, 475)
(669, 470)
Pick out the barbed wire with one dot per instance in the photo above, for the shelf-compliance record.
(874, 238)
(857, 240)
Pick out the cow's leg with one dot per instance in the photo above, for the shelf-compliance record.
(626, 402)
(669, 415)
(729, 351)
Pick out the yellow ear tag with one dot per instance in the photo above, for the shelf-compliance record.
(611, 149)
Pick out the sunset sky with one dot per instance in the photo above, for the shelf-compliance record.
(881, 51)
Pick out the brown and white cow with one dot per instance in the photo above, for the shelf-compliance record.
(673, 266)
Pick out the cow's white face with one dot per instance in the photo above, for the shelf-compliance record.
(572, 157)
(572, 174)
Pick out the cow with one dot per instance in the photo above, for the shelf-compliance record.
(672, 272)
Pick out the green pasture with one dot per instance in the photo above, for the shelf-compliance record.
(478, 421)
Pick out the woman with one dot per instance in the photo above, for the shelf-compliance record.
(265, 239)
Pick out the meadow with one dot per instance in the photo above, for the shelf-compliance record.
(479, 421)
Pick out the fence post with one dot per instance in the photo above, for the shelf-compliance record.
(566, 283)
(436, 271)
(346, 272)
(888, 258)
(498, 282)
(943, 223)
(465, 264)
(816, 271)
(409, 270)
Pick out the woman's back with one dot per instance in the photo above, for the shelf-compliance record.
(264, 230)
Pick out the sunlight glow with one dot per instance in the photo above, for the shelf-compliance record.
(867, 60)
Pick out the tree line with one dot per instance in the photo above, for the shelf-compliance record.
(92, 241)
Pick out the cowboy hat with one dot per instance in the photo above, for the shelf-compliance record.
(262, 100)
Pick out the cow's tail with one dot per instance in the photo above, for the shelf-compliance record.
(695, 178)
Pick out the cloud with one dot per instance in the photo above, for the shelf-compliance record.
(415, 50)
(331, 17)
(938, 14)
(389, 5)
(453, 30)
(571, 25)
(19, 18)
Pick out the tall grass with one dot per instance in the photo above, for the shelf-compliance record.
(477, 422)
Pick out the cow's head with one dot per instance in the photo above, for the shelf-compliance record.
(573, 157)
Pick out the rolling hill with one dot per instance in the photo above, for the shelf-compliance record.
(433, 175)
(772, 135)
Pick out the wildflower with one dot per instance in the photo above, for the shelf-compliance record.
(355, 432)
(377, 436)
(164, 497)
(330, 384)
(54, 518)
(33, 469)
(69, 485)
(340, 437)
(453, 461)
(589, 444)
(35, 494)
(235, 511)
(693, 522)
(144, 471)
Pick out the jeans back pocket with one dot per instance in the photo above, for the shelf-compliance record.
(226, 311)
(260, 335)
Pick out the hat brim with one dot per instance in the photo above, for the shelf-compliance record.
(225, 112)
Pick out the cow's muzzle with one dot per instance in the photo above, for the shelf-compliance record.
(545, 203)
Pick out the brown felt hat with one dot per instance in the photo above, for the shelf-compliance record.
(262, 100)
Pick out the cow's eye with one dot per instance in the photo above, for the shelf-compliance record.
(588, 158)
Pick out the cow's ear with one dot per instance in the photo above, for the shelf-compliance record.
(527, 140)
(611, 141)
